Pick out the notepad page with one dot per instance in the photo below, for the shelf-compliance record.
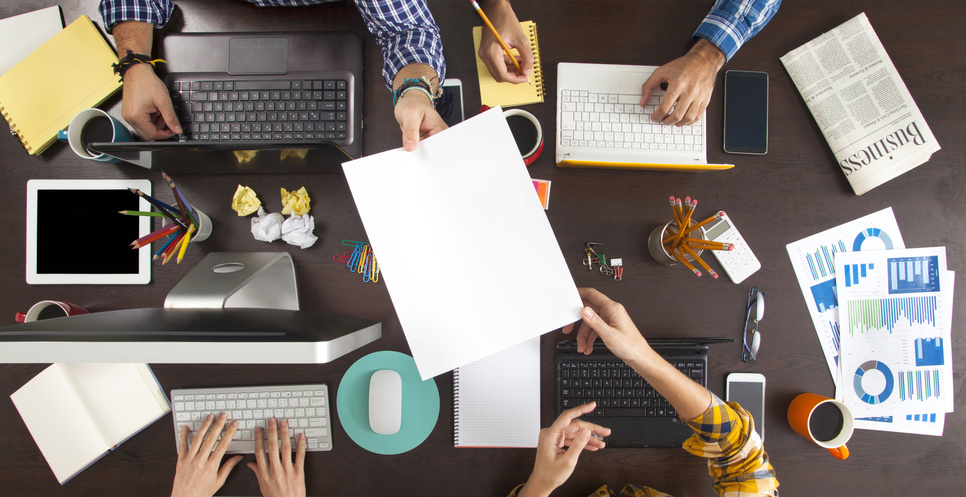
(496, 400)
(70, 72)
(121, 398)
(21, 35)
(493, 93)
(59, 423)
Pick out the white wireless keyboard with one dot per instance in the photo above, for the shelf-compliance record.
(305, 407)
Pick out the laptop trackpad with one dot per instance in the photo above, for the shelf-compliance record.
(631, 81)
(262, 55)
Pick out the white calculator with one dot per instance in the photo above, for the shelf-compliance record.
(739, 263)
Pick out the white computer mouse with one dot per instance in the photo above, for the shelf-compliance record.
(385, 402)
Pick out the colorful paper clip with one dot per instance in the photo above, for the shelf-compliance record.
(360, 259)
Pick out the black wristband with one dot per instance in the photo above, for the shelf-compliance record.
(129, 60)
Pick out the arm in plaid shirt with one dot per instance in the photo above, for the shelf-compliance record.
(405, 29)
(725, 435)
(731, 23)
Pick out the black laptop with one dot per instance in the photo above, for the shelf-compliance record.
(637, 415)
(266, 92)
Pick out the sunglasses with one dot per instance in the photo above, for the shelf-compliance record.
(756, 303)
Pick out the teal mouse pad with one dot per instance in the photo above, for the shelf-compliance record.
(420, 404)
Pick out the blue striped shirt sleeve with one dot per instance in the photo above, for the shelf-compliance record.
(731, 23)
(156, 12)
(406, 32)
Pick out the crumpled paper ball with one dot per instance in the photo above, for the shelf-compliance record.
(267, 227)
(296, 202)
(297, 230)
(245, 201)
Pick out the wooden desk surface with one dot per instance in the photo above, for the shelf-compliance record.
(794, 191)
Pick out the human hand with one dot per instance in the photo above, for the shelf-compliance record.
(553, 464)
(146, 104)
(277, 475)
(197, 473)
(609, 320)
(491, 52)
(690, 81)
(417, 119)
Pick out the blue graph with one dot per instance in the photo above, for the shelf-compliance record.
(854, 272)
(929, 352)
(925, 418)
(871, 233)
(914, 274)
(825, 296)
(921, 384)
(873, 398)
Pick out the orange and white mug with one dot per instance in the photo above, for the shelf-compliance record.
(825, 421)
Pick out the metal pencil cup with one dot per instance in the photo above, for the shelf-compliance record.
(660, 254)
(204, 227)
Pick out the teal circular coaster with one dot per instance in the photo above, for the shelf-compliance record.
(420, 404)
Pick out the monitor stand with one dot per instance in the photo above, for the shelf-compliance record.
(223, 280)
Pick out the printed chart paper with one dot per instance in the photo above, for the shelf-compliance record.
(814, 261)
(444, 222)
(895, 317)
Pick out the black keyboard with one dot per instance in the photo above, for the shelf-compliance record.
(618, 390)
(263, 110)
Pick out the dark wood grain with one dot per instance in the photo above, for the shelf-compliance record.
(794, 191)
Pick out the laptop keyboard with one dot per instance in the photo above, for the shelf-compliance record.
(262, 110)
(607, 120)
(618, 390)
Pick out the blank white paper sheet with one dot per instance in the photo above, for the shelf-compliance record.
(463, 243)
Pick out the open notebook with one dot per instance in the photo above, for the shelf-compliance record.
(496, 400)
(508, 94)
(78, 412)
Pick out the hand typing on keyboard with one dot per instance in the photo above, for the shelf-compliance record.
(690, 80)
(198, 473)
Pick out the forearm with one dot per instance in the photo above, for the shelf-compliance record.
(406, 36)
(687, 397)
(417, 71)
(135, 36)
(709, 53)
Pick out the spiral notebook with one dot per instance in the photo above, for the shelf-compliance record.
(70, 72)
(493, 93)
(496, 400)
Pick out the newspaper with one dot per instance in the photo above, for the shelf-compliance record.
(861, 105)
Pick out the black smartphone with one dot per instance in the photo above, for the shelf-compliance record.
(746, 112)
(450, 103)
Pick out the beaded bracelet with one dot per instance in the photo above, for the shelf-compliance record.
(422, 84)
(129, 60)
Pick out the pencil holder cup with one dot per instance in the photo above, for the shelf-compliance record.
(202, 231)
(655, 244)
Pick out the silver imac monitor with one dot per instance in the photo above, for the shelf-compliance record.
(231, 308)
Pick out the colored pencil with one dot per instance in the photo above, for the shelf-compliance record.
(164, 208)
(154, 235)
(173, 249)
(142, 213)
(184, 243)
(186, 210)
(164, 247)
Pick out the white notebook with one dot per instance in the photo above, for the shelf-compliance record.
(76, 413)
(496, 400)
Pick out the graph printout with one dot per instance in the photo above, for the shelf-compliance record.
(896, 325)
(813, 259)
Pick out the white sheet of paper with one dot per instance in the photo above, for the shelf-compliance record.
(464, 246)
(21, 35)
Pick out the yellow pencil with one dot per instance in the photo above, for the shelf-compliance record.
(184, 243)
(499, 39)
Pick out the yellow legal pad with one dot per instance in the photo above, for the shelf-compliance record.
(70, 72)
(509, 94)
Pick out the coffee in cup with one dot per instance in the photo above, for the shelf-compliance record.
(825, 421)
(527, 133)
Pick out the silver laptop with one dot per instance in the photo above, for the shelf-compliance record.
(601, 124)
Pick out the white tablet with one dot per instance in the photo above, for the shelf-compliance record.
(75, 234)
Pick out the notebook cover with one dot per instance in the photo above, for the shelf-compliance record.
(493, 93)
(70, 72)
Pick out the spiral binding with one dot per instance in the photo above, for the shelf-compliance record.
(456, 407)
(537, 65)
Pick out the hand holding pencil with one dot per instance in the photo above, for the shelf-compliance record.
(500, 37)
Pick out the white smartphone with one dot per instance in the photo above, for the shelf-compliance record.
(450, 104)
(748, 389)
